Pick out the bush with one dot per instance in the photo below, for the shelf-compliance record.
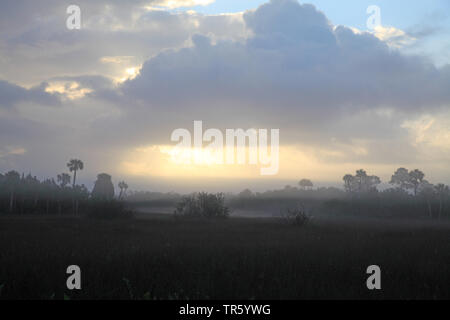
(108, 209)
(296, 217)
(204, 205)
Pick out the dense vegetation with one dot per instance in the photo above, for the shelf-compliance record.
(410, 196)
(160, 257)
(20, 194)
(165, 258)
(202, 205)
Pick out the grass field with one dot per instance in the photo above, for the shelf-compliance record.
(163, 258)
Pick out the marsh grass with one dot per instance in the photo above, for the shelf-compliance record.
(164, 258)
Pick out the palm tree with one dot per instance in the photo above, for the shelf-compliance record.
(12, 180)
(75, 165)
(123, 189)
(48, 189)
(442, 190)
(63, 179)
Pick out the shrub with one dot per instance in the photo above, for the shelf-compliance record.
(296, 217)
(203, 204)
(108, 209)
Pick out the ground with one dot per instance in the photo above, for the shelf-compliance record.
(162, 258)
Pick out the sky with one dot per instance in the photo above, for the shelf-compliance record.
(343, 95)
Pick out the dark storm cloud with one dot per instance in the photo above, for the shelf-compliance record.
(10, 94)
(295, 61)
(33, 34)
(296, 71)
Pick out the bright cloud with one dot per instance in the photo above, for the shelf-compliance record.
(342, 98)
(172, 4)
(396, 38)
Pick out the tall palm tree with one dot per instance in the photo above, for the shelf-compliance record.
(123, 189)
(12, 180)
(75, 165)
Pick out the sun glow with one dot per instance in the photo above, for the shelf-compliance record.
(69, 89)
(129, 74)
(295, 162)
(187, 156)
(165, 161)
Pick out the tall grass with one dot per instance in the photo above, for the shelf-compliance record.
(164, 258)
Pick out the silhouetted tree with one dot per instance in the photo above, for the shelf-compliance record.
(305, 184)
(247, 193)
(401, 179)
(360, 176)
(203, 204)
(123, 189)
(63, 180)
(12, 180)
(74, 165)
(349, 183)
(416, 177)
(442, 191)
(427, 191)
(49, 190)
(26, 194)
(80, 193)
(361, 182)
(103, 188)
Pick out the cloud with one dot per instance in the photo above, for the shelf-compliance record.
(295, 66)
(339, 96)
(172, 4)
(394, 37)
(328, 88)
(8, 150)
(125, 31)
(12, 94)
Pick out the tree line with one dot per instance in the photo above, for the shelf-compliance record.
(409, 195)
(405, 184)
(25, 194)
